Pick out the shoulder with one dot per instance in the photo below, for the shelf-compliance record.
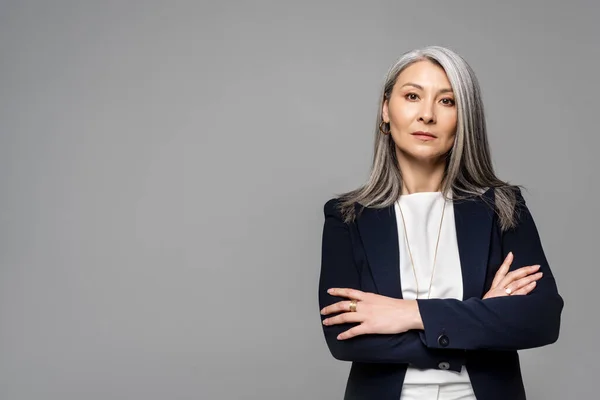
(342, 210)
(512, 192)
(510, 207)
(333, 208)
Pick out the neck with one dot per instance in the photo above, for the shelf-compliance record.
(420, 176)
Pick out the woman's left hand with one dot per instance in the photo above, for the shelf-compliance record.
(375, 313)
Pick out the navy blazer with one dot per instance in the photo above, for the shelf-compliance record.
(482, 335)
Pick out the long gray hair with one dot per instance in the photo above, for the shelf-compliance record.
(468, 164)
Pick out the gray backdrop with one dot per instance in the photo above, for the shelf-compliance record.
(163, 168)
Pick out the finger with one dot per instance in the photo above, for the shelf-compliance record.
(352, 332)
(345, 292)
(525, 289)
(518, 274)
(344, 318)
(518, 284)
(503, 270)
(340, 306)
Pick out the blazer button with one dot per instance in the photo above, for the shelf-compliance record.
(443, 341)
(444, 365)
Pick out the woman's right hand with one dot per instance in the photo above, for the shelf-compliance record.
(518, 282)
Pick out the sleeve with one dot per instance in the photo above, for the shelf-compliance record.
(338, 269)
(502, 323)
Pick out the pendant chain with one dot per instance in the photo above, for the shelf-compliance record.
(434, 255)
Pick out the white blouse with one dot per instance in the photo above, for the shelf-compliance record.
(422, 212)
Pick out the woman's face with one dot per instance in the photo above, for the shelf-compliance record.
(421, 101)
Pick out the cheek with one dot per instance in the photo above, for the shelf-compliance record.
(449, 124)
(449, 139)
(401, 117)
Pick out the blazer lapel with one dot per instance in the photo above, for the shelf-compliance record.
(379, 234)
(473, 220)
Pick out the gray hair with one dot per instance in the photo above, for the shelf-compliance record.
(468, 164)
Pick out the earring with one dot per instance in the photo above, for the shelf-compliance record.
(381, 128)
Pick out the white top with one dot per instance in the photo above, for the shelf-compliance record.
(422, 212)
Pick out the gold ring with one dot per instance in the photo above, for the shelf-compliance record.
(353, 305)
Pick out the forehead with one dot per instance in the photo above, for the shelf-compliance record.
(424, 73)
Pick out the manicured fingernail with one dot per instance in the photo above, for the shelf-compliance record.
(329, 291)
(325, 322)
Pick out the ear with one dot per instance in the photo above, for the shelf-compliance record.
(385, 111)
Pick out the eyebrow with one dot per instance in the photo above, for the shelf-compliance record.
(445, 90)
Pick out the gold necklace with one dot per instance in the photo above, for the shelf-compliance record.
(434, 255)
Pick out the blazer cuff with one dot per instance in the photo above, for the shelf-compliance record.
(434, 335)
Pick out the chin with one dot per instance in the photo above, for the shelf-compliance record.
(422, 153)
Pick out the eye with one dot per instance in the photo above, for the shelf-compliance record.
(448, 101)
(411, 96)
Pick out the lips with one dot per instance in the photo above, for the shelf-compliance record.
(424, 134)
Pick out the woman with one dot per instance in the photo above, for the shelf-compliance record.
(433, 274)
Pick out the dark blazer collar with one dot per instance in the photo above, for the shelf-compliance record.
(473, 218)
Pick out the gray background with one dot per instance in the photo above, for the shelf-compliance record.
(163, 168)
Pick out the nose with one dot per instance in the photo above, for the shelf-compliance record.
(427, 113)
